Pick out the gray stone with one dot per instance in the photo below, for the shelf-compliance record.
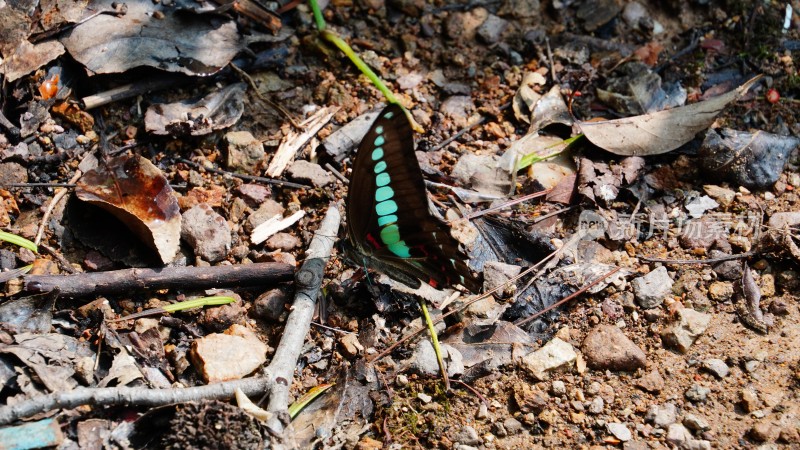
(423, 360)
(512, 425)
(468, 436)
(270, 305)
(619, 431)
(458, 108)
(269, 209)
(689, 326)
(207, 232)
(607, 348)
(496, 274)
(554, 355)
(651, 289)
(597, 405)
(11, 173)
(717, 367)
(651, 381)
(303, 170)
(492, 29)
(697, 393)
(255, 194)
(245, 152)
(662, 415)
(678, 435)
(696, 423)
(282, 241)
(558, 388)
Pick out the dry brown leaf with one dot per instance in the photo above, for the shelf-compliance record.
(137, 193)
(662, 131)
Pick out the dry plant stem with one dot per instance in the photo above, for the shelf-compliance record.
(508, 204)
(60, 193)
(246, 177)
(134, 280)
(286, 114)
(129, 90)
(580, 291)
(698, 261)
(139, 396)
(308, 282)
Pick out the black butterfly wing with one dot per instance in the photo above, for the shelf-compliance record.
(387, 208)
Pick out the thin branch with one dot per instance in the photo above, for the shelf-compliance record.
(699, 261)
(128, 280)
(242, 176)
(137, 396)
(308, 282)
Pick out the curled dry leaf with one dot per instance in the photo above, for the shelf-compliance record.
(215, 111)
(755, 160)
(526, 96)
(151, 34)
(662, 131)
(748, 307)
(549, 110)
(137, 193)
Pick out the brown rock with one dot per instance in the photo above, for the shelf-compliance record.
(229, 356)
(607, 347)
(651, 381)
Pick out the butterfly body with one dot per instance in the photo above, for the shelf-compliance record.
(389, 227)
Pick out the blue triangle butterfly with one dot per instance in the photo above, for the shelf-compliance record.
(389, 227)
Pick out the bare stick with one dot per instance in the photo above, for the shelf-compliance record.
(307, 286)
(246, 177)
(136, 396)
(128, 280)
(60, 193)
(129, 90)
(698, 261)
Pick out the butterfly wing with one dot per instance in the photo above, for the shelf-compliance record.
(387, 208)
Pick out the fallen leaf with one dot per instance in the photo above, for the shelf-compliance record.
(526, 96)
(137, 193)
(151, 34)
(215, 111)
(662, 131)
(28, 57)
(551, 109)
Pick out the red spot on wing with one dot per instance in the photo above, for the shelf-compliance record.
(373, 242)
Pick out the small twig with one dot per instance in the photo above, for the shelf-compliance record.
(337, 174)
(132, 280)
(508, 204)
(130, 90)
(698, 261)
(286, 114)
(33, 185)
(474, 391)
(550, 59)
(335, 330)
(137, 396)
(60, 193)
(580, 291)
(308, 282)
(62, 261)
(246, 177)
